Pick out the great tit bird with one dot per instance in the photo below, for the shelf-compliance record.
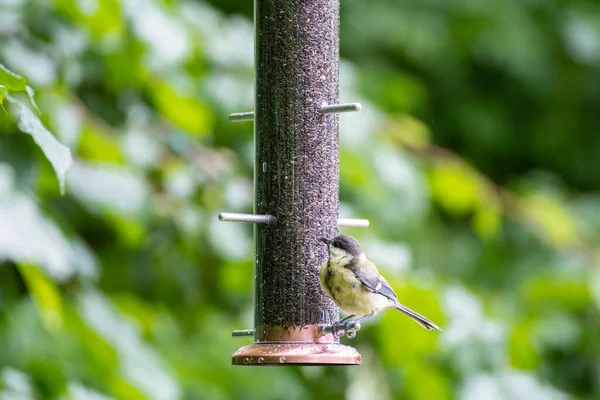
(355, 285)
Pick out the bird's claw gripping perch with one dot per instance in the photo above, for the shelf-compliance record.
(351, 327)
(347, 329)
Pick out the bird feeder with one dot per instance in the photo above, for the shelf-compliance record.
(296, 181)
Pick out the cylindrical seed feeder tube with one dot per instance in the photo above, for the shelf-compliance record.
(296, 181)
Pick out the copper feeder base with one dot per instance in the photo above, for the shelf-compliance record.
(281, 353)
(288, 345)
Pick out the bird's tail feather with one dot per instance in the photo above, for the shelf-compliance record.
(424, 322)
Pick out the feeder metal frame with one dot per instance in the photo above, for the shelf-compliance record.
(296, 178)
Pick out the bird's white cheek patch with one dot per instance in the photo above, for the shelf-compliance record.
(336, 256)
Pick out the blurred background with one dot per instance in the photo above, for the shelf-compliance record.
(476, 157)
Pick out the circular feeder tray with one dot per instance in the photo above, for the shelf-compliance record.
(293, 353)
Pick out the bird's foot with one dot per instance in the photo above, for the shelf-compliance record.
(340, 329)
(350, 328)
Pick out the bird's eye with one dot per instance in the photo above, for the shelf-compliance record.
(335, 244)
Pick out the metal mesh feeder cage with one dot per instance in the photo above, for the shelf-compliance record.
(296, 180)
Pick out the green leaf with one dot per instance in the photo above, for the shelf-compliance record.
(408, 132)
(99, 352)
(550, 293)
(125, 390)
(521, 345)
(552, 218)
(187, 113)
(455, 187)
(3, 93)
(11, 80)
(395, 352)
(58, 154)
(487, 221)
(144, 314)
(103, 20)
(97, 144)
(46, 296)
(425, 381)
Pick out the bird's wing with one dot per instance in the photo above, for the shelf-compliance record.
(370, 278)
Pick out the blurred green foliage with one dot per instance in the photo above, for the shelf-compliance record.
(475, 158)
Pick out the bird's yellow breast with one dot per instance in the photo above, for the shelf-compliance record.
(347, 292)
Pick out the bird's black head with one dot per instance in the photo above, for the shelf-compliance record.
(346, 243)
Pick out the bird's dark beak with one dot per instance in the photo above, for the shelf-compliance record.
(325, 240)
